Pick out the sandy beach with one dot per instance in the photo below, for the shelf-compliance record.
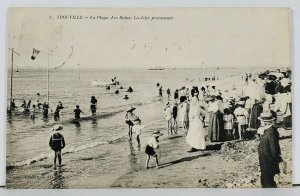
(222, 165)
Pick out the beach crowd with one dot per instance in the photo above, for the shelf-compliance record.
(210, 115)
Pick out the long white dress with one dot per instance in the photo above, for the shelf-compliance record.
(196, 134)
(182, 114)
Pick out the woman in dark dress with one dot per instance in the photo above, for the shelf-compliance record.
(255, 113)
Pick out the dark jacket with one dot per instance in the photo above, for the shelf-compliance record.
(57, 142)
(269, 152)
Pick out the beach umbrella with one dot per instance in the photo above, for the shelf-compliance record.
(254, 91)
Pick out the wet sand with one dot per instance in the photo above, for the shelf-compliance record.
(223, 165)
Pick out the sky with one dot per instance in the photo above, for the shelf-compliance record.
(193, 38)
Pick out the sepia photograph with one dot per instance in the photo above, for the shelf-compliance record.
(149, 98)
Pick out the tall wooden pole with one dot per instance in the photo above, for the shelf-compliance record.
(11, 77)
(48, 79)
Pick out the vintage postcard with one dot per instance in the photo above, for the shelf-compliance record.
(149, 97)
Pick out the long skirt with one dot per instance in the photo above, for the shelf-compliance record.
(216, 127)
(196, 134)
(287, 120)
(255, 113)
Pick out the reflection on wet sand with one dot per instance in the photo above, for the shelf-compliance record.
(58, 181)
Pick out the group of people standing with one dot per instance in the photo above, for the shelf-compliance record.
(34, 109)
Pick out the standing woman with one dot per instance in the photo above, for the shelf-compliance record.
(216, 124)
(196, 134)
(176, 94)
(257, 109)
(93, 105)
(174, 126)
(183, 113)
(168, 116)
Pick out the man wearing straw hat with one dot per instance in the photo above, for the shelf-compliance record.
(268, 150)
(57, 143)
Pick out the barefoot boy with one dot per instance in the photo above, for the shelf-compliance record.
(137, 128)
(57, 143)
(152, 144)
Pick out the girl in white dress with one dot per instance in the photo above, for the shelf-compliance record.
(183, 114)
(168, 116)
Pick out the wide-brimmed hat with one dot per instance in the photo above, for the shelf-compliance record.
(57, 127)
(131, 109)
(156, 133)
(241, 103)
(209, 98)
(266, 116)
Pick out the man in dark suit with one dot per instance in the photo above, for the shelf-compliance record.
(268, 151)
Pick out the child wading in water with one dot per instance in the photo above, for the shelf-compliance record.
(57, 143)
(152, 144)
(77, 112)
(32, 112)
(137, 128)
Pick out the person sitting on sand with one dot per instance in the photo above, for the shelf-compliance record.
(117, 92)
(137, 128)
(121, 87)
(77, 112)
(151, 145)
(57, 143)
(108, 88)
(129, 118)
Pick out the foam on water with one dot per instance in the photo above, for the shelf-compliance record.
(73, 148)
